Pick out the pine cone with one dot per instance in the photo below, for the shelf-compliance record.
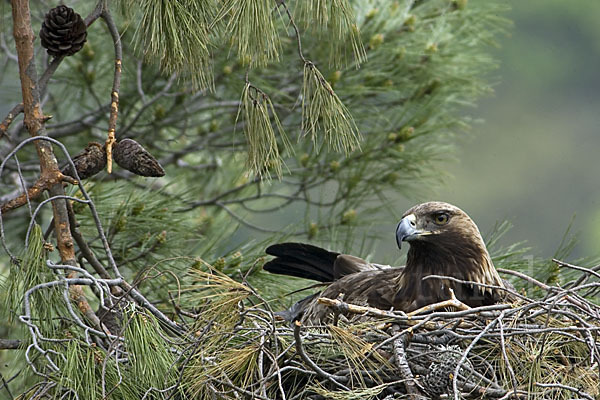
(63, 31)
(131, 156)
(89, 162)
(439, 377)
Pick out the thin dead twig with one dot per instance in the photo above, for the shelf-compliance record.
(114, 94)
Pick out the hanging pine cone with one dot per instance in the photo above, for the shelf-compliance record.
(89, 162)
(131, 156)
(63, 31)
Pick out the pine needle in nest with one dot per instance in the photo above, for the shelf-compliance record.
(358, 355)
(215, 295)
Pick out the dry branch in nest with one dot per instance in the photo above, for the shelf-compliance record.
(537, 348)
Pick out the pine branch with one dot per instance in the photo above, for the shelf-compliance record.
(323, 111)
(263, 150)
(251, 28)
(335, 20)
(177, 36)
(34, 121)
(10, 344)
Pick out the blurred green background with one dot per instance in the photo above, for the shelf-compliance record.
(534, 159)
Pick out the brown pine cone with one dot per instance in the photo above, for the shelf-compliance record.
(438, 380)
(89, 162)
(131, 156)
(63, 31)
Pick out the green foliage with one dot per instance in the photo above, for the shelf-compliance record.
(367, 394)
(80, 371)
(335, 19)
(45, 305)
(142, 226)
(152, 363)
(389, 123)
(217, 298)
(263, 150)
(518, 257)
(550, 359)
(323, 111)
(176, 35)
(91, 373)
(251, 28)
(356, 354)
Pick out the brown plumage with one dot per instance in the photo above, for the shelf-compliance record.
(443, 241)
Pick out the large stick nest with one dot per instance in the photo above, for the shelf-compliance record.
(542, 348)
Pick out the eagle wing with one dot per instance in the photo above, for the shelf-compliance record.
(375, 288)
(361, 282)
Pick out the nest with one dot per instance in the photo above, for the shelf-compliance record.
(544, 347)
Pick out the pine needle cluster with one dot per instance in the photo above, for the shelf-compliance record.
(252, 30)
(259, 117)
(323, 111)
(176, 35)
(334, 19)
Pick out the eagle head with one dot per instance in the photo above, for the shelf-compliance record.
(438, 226)
(445, 241)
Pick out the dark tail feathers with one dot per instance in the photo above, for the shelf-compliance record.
(301, 260)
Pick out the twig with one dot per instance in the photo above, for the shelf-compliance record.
(525, 277)
(5, 385)
(114, 94)
(344, 307)
(34, 121)
(298, 39)
(6, 50)
(466, 353)
(451, 302)
(404, 368)
(12, 114)
(505, 356)
(50, 70)
(84, 247)
(142, 301)
(10, 344)
(45, 182)
(243, 221)
(564, 387)
(587, 271)
(311, 363)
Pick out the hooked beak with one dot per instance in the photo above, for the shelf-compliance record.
(406, 230)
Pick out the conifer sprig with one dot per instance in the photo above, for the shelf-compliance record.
(322, 110)
(336, 20)
(252, 30)
(150, 356)
(259, 116)
(176, 35)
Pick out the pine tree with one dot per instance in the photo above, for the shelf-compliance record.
(268, 119)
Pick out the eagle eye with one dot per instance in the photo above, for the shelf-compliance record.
(441, 218)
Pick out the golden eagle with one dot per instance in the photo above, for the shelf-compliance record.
(443, 241)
